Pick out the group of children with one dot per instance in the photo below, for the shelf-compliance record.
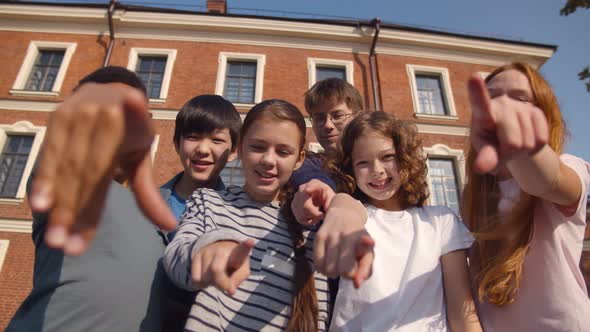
(265, 256)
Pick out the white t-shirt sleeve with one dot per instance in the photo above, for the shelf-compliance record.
(454, 235)
(577, 213)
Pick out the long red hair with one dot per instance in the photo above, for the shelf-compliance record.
(500, 247)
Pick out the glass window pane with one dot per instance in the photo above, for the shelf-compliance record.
(330, 72)
(443, 183)
(44, 72)
(13, 161)
(150, 70)
(240, 82)
(430, 94)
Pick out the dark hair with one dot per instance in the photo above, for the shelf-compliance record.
(205, 113)
(304, 312)
(333, 90)
(114, 74)
(408, 151)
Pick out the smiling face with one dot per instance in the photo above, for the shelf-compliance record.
(328, 122)
(269, 151)
(203, 156)
(375, 169)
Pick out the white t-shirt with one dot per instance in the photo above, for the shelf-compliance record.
(405, 291)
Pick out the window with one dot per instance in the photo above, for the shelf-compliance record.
(240, 77)
(320, 69)
(431, 92)
(154, 66)
(232, 174)
(151, 71)
(329, 72)
(19, 146)
(12, 163)
(430, 95)
(240, 82)
(43, 69)
(443, 181)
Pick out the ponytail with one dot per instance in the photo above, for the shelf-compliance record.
(304, 308)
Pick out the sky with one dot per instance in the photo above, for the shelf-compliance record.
(535, 21)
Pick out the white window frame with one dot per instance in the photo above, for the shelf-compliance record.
(483, 74)
(154, 148)
(3, 250)
(313, 63)
(22, 128)
(224, 57)
(441, 151)
(447, 92)
(29, 61)
(170, 54)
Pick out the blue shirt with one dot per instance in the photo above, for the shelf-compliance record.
(177, 205)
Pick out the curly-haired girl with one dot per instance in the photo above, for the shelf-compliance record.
(419, 250)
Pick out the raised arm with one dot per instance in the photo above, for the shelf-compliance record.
(99, 129)
(513, 134)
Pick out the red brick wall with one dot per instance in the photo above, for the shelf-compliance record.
(16, 274)
(194, 73)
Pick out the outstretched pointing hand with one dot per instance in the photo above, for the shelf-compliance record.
(503, 128)
(99, 129)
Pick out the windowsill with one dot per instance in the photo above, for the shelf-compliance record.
(11, 201)
(157, 101)
(436, 117)
(243, 105)
(29, 93)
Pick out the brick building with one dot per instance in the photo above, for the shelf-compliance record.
(419, 75)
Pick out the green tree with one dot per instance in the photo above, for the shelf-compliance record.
(570, 7)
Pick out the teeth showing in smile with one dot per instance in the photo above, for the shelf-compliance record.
(380, 184)
(266, 176)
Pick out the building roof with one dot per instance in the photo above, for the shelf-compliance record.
(339, 22)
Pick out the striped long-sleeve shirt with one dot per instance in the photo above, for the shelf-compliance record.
(263, 301)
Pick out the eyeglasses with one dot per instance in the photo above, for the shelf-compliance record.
(337, 118)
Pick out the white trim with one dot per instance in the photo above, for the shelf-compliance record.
(154, 147)
(267, 32)
(483, 74)
(11, 201)
(29, 61)
(170, 54)
(312, 64)
(3, 251)
(436, 117)
(222, 69)
(26, 93)
(164, 114)
(447, 92)
(444, 152)
(315, 147)
(24, 128)
(28, 105)
(436, 129)
(16, 226)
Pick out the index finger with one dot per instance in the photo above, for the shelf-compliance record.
(240, 254)
(479, 99)
(148, 197)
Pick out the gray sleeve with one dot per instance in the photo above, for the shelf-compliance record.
(197, 229)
